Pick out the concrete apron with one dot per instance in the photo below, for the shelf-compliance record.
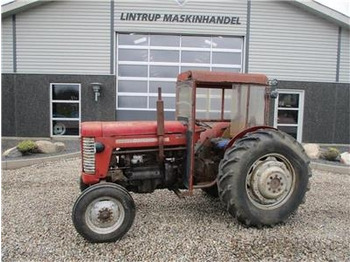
(331, 168)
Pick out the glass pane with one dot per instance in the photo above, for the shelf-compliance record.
(65, 92)
(194, 68)
(215, 104)
(184, 102)
(287, 117)
(167, 87)
(133, 55)
(65, 128)
(132, 102)
(208, 103)
(227, 42)
(169, 102)
(239, 108)
(165, 40)
(201, 103)
(226, 58)
(226, 69)
(208, 115)
(195, 57)
(132, 70)
(288, 100)
(228, 100)
(256, 114)
(164, 71)
(196, 41)
(127, 115)
(132, 86)
(291, 130)
(164, 56)
(65, 110)
(132, 39)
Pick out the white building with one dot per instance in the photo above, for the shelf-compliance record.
(53, 50)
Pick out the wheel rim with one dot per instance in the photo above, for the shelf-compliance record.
(105, 215)
(59, 129)
(270, 181)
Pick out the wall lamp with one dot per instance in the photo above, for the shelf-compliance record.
(96, 87)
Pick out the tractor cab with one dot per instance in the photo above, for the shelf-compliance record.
(216, 107)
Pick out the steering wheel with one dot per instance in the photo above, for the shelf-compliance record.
(202, 124)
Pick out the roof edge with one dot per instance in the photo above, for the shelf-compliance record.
(19, 6)
(310, 5)
(323, 11)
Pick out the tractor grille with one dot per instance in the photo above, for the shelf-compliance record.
(89, 155)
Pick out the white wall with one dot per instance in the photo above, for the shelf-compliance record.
(191, 7)
(289, 43)
(6, 46)
(344, 72)
(66, 37)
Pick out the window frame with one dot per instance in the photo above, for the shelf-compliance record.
(300, 109)
(52, 101)
(147, 46)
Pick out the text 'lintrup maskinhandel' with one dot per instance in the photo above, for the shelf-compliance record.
(176, 18)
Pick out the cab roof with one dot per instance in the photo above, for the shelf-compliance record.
(208, 78)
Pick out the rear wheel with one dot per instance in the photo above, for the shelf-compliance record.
(263, 178)
(103, 213)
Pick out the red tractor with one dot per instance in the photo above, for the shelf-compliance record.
(220, 143)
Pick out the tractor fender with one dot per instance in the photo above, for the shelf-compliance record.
(244, 132)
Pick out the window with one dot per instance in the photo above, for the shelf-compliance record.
(146, 62)
(289, 109)
(65, 109)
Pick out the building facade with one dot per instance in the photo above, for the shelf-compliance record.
(53, 52)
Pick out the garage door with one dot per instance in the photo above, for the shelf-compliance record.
(147, 61)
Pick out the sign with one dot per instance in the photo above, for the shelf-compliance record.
(176, 18)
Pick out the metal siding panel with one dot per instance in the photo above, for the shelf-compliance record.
(344, 72)
(71, 37)
(289, 43)
(7, 46)
(191, 7)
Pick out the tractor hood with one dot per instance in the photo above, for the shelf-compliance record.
(123, 128)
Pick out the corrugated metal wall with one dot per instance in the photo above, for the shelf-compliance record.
(65, 37)
(344, 72)
(191, 7)
(291, 44)
(6, 46)
(73, 37)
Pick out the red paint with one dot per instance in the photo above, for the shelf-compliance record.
(220, 78)
(124, 128)
(246, 131)
(216, 131)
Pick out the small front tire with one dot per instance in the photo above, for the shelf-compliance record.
(103, 213)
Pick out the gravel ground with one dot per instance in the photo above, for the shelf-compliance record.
(36, 224)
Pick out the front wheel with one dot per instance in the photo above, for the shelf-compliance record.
(103, 213)
(263, 178)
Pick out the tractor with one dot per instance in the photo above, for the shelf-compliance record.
(220, 143)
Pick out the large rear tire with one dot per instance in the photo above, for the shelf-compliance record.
(263, 178)
(103, 213)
